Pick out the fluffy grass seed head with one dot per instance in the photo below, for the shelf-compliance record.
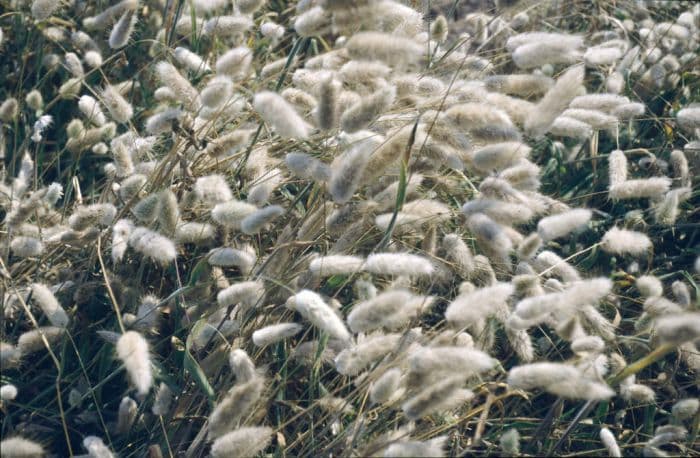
(45, 299)
(96, 447)
(126, 415)
(649, 286)
(622, 241)
(192, 232)
(523, 85)
(383, 310)
(444, 394)
(191, 60)
(274, 333)
(552, 264)
(348, 171)
(640, 188)
(354, 359)
(313, 22)
(8, 392)
(555, 101)
(490, 235)
(247, 293)
(230, 214)
(467, 309)
(510, 442)
(217, 91)
(235, 63)
(163, 400)
(434, 447)
(681, 292)
(326, 266)
(398, 264)
(562, 224)
(637, 393)
(43, 9)
(367, 109)
(237, 403)
(685, 409)
(306, 166)
(617, 168)
(32, 342)
(565, 126)
(120, 239)
(256, 221)
(122, 30)
(132, 350)
(212, 190)
(326, 110)
(241, 365)
(118, 107)
(678, 328)
(609, 442)
(430, 363)
(538, 54)
(689, 118)
(153, 245)
(226, 26)
(19, 447)
(26, 247)
(458, 254)
(242, 442)
(393, 50)
(181, 87)
(34, 100)
(385, 388)
(9, 109)
(312, 307)
(9, 355)
(557, 378)
(498, 156)
(280, 115)
(588, 344)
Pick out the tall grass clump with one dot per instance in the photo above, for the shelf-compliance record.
(349, 228)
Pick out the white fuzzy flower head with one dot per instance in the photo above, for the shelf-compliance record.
(153, 245)
(8, 392)
(622, 241)
(312, 307)
(326, 266)
(244, 441)
(43, 9)
(679, 328)
(132, 350)
(274, 333)
(396, 264)
(40, 126)
(20, 447)
(49, 305)
(556, 226)
(280, 115)
(608, 440)
(96, 447)
(248, 293)
(212, 190)
(256, 221)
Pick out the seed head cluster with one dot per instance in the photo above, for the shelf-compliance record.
(362, 228)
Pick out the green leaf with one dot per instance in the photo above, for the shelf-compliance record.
(200, 269)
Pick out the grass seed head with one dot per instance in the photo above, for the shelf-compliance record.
(133, 351)
(242, 442)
